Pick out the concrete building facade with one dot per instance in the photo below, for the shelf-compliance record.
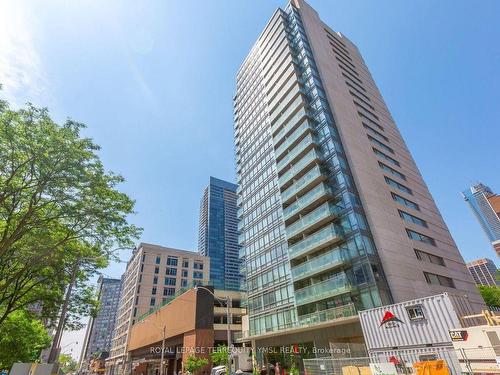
(154, 276)
(486, 207)
(100, 329)
(483, 272)
(218, 234)
(335, 216)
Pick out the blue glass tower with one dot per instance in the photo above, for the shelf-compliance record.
(218, 233)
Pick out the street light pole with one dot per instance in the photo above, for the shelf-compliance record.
(228, 301)
(162, 351)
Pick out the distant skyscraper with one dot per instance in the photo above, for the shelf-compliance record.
(100, 329)
(486, 206)
(483, 272)
(218, 233)
(334, 214)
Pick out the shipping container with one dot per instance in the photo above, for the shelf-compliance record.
(417, 323)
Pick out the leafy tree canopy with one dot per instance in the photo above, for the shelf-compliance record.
(58, 207)
(193, 364)
(67, 363)
(21, 339)
(490, 294)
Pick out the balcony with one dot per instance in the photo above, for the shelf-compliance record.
(291, 124)
(338, 284)
(284, 102)
(300, 149)
(334, 313)
(329, 260)
(309, 179)
(296, 135)
(284, 117)
(315, 196)
(315, 241)
(311, 157)
(312, 220)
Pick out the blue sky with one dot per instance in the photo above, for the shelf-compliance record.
(153, 80)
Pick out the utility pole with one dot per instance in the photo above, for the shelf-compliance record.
(162, 351)
(54, 349)
(229, 322)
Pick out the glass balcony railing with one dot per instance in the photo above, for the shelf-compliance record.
(241, 252)
(305, 222)
(239, 213)
(279, 120)
(302, 182)
(331, 259)
(304, 201)
(284, 102)
(338, 284)
(299, 166)
(295, 135)
(297, 150)
(334, 313)
(316, 240)
(289, 126)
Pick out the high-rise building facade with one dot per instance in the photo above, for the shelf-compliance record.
(100, 328)
(218, 234)
(486, 207)
(154, 276)
(334, 214)
(483, 272)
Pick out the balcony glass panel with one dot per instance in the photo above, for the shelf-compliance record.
(306, 200)
(299, 148)
(295, 135)
(311, 218)
(336, 285)
(301, 164)
(325, 261)
(313, 241)
(300, 183)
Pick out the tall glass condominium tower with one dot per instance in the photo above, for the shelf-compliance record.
(334, 215)
(218, 234)
(486, 207)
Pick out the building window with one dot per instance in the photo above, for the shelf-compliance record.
(391, 171)
(197, 275)
(405, 202)
(386, 157)
(420, 237)
(380, 144)
(168, 291)
(198, 266)
(434, 279)
(412, 219)
(184, 273)
(172, 261)
(153, 291)
(152, 302)
(415, 312)
(157, 269)
(140, 277)
(170, 281)
(185, 263)
(427, 257)
(142, 267)
(184, 283)
(158, 259)
(171, 271)
(143, 257)
(397, 185)
(138, 288)
(155, 279)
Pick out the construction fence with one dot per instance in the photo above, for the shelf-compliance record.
(418, 361)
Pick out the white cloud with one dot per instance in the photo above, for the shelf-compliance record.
(21, 71)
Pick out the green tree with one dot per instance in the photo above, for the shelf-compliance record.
(490, 294)
(67, 363)
(58, 207)
(21, 339)
(219, 356)
(194, 364)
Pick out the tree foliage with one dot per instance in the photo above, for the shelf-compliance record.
(67, 363)
(58, 207)
(21, 339)
(220, 356)
(193, 364)
(490, 294)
